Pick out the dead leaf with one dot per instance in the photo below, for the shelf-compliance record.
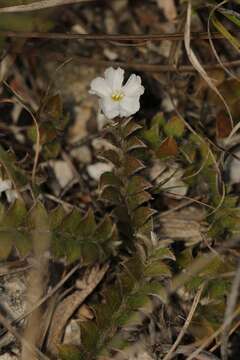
(167, 148)
(223, 125)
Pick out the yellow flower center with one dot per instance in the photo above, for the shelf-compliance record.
(117, 95)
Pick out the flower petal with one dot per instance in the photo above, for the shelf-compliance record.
(100, 87)
(12, 195)
(133, 86)
(129, 105)
(110, 108)
(5, 185)
(114, 78)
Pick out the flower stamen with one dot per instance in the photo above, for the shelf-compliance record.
(117, 96)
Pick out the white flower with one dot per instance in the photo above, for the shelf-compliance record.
(117, 99)
(6, 186)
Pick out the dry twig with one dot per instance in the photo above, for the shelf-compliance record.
(39, 5)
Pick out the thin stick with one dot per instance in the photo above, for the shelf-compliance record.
(231, 303)
(43, 4)
(154, 68)
(212, 337)
(186, 324)
(107, 37)
(31, 348)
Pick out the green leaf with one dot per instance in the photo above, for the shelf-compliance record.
(157, 269)
(137, 184)
(6, 242)
(69, 352)
(53, 107)
(223, 30)
(141, 216)
(174, 127)
(90, 335)
(152, 136)
(56, 217)
(162, 253)
(87, 226)
(110, 179)
(16, 174)
(136, 200)
(71, 222)
(104, 230)
(23, 243)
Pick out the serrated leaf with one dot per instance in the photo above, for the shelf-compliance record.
(14, 216)
(121, 213)
(137, 184)
(23, 243)
(69, 352)
(89, 254)
(141, 216)
(71, 222)
(87, 226)
(51, 149)
(132, 165)
(104, 229)
(6, 241)
(110, 179)
(157, 269)
(136, 200)
(16, 174)
(135, 143)
(130, 128)
(112, 195)
(112, 156)
(53, 107)
(56, 217)
(163, 253)
(89, 335)
(174, 127)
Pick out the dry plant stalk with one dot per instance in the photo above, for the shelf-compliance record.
(37, 282)
(70, 304)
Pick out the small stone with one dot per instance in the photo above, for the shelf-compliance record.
(63, 172)
(82, 154)
(72, 334)
(96, 170)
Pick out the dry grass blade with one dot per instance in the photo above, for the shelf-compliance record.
(209, 339)
(230, 73)
(37, 281)
(39, 5)
(70, 304)
(231, 303)
(196, 300)
(195, 62)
